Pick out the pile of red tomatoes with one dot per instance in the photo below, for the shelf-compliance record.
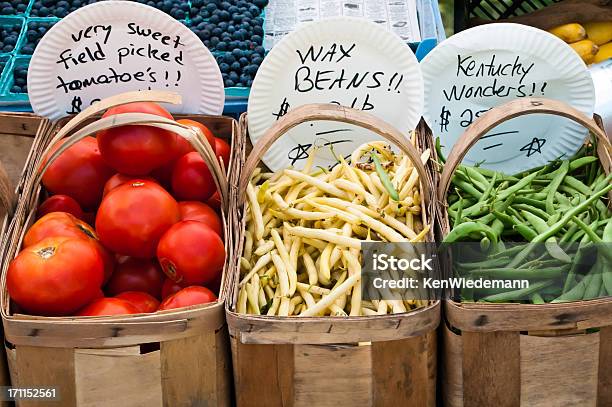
(132, 225)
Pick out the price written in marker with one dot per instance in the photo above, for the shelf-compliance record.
(343, 61)
(480, 68)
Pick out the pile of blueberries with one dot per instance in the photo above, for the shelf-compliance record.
(13, 7)
(8, 37)
(20, 80)
(34, 33)
(233, 30)
(54, 8)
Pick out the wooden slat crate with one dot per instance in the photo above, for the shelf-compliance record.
(386, 360)
(523, 355)
(169, 358)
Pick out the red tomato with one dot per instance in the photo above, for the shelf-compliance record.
(210, 137)
(60, 203)
(215, 202)
(198, 211)
(62, 224)
(143, 301)
(56, 276)
(108, 306)
(191, 179)
(188, 296)
(191, 253)
(223, 151)
(170, 287)
(134, 274)
(120, 179)
(133, 217)
(79, 172)
(136, 150)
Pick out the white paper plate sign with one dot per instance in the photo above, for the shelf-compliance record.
(346, 61)
(112, 47)
(486, 66)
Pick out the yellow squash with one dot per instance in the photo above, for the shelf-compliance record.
(586, 49)
(599, 32)
(605, 53)
(570, 32)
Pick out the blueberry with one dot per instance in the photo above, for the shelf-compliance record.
(257, 60)
(214, 41)
(179, 14)
(251, 70)
(223, 25)
(258, 30)
(234, 76)
(226, 5)
(229, 58)
(229, 83)
(217, 32)
(225, 15)
(237, 53)
(257, 39)
(236, 66)
(260, 3)
(196, 20)
(243, 61)
(210, 7)
(7, 48)
(224, 67)
(7, 11)
(222, 46)
(16, 89)
(214, 19)
(231, 29)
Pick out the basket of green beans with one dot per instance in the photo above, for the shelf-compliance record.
(551, 226)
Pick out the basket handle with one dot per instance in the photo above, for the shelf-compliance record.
(116, 100)
(7, 193)
(510, 110)
(336, 113)
(194, 136)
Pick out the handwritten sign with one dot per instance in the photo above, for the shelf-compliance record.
(344, 61)
(112, 47)
(486, 66)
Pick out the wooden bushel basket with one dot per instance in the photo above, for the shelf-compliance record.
(330, 361)
(510, 355)
(168, 358)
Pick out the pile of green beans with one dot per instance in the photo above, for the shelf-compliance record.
(563, 205)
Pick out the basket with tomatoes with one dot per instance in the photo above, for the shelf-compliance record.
(123, 219)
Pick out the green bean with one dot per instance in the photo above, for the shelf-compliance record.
(562, 199)
(570, 279)
(554, 229)
(554, 185)
(466, 187)
(520, 274)
(516, 187)
(384, 178)
(466, 228)
(551, 243)
(581, 162)
(474, 174)
(537, 299)
(607, 263)
(592, 289)
(576, 293)
(506, 219)
(532, 202)
(587, 230)
(577, 185)
(525, 231)
(459, 215)
(533, 210)
(517, 294)
(439, 151)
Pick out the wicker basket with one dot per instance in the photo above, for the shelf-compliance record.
(169, 358)
(520, 354)
(331, 361)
